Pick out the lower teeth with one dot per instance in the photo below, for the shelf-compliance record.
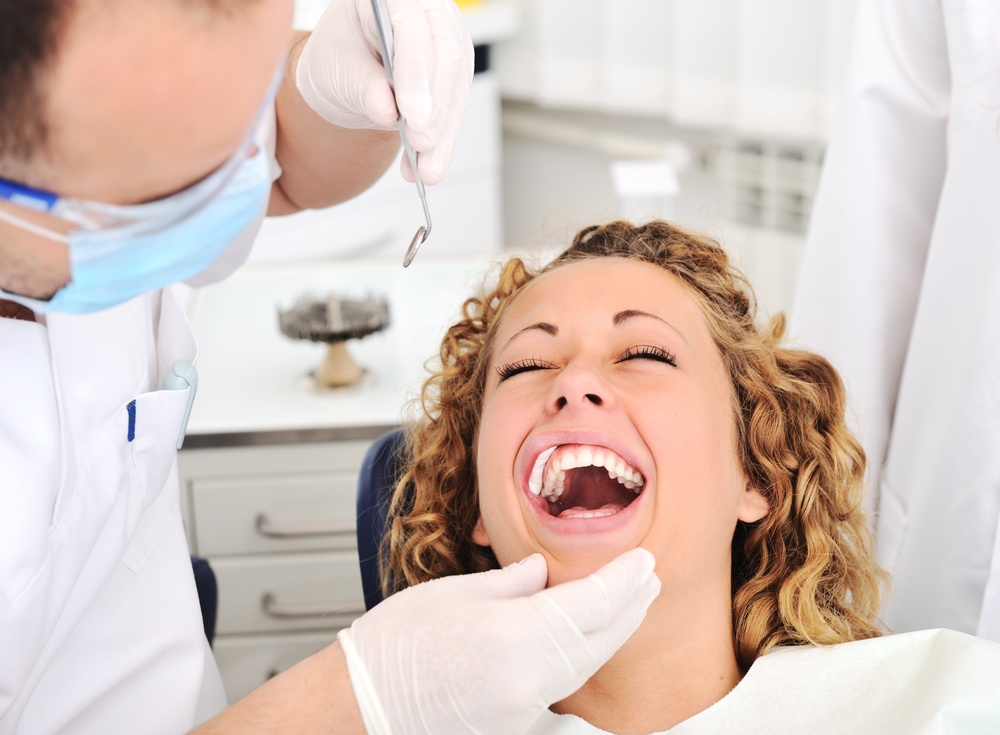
(578, 513)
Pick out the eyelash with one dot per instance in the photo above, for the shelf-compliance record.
(650, 352)
(647, 351)
(522, 366)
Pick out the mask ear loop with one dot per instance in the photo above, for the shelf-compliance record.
(34, 229)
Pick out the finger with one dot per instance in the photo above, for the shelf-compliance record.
(379, 102)
(604, 641)
(516, 580)
(406, 169)
(593, 602)
(412, 62)
(582, 656)
(451, 74)
(435, 162)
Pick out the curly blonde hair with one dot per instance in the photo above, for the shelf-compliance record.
(803, 574)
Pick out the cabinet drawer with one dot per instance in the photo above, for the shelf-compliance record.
(287, 512)
(288, 592)
(305, 491)
(246, 662)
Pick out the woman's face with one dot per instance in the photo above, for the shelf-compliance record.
(607, 424)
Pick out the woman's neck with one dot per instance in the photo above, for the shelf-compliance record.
(676, 665)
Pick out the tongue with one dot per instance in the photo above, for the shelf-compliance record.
(590, 489)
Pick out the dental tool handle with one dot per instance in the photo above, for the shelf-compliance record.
(384, 24)
(385, 34)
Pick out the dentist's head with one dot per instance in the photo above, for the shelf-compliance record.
(120, 102)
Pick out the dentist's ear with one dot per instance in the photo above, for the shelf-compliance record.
(479, 534)
(753, 505)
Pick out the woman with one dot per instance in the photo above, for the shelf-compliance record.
(625, 396)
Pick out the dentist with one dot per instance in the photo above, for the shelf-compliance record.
(899, 290)
(141, 144)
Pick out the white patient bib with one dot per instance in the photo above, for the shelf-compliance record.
(923, 683)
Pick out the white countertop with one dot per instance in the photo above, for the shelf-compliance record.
(254, 380)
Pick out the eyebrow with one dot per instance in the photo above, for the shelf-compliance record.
(550, 329)
(627, 314)
(619, 318)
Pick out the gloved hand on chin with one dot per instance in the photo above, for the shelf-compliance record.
(340, 75)
(487, 653)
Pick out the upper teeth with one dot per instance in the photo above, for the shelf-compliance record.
(549, 481)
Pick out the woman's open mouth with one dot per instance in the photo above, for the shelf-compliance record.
(573, 481)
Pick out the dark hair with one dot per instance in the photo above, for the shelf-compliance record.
(29, 31)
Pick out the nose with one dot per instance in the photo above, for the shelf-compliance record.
(563, 401)
(579, 387)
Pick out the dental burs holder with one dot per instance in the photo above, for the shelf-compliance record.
(385, 34)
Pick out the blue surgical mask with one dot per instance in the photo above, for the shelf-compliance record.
(118, 252)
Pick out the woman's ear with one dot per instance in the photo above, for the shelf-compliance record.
(753, 505)
(479, 534)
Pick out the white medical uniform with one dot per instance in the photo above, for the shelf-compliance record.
(100, 624)
(923, 683)
(901, 290)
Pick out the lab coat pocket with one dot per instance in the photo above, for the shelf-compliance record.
(891, 527)
(128, 466)
(154, 424)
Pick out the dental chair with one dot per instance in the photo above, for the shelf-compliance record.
(379, 472)
(208, 595)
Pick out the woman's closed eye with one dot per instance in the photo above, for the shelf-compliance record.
(511, 369)
(647, 352)
(636, 352)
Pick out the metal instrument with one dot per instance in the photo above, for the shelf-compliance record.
(385, 34)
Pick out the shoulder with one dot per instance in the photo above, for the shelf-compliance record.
(915, 649)
(931, 681)
(910, 682)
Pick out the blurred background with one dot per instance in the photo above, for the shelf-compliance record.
(714, 113)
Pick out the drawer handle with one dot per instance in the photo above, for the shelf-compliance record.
(284, 611)
(265, 527)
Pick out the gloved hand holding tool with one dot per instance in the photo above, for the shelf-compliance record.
(340, 75)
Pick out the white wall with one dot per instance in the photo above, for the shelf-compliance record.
(748, 86)
(552, 190)
(751, 66)
(606, 80)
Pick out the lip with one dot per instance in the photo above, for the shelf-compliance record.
(538, 444)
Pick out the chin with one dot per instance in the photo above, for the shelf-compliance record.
(576, 547)
(566, 567)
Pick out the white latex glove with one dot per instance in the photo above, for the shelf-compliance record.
(487, 653)
(340, 75)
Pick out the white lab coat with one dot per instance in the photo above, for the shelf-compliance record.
(100, 624)
(931, 682)
(901, 289)
(100, 627)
